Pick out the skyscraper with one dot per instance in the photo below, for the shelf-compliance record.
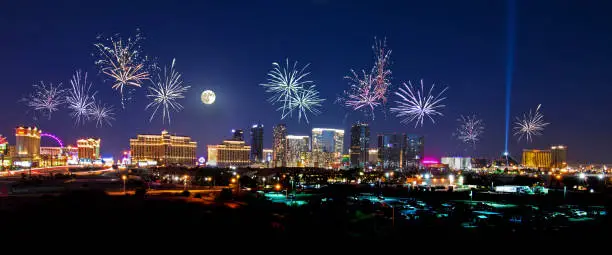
(298, 147)
(327, 146)
(279, 143)
(229, 153)
(27, 144)
(237, 135)
(392, 150)
(415, 149)
(257, 132)
(360, 144)
(536, 159)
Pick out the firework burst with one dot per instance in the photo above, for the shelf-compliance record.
(79, 99)
(290, 87)
(165, 93)
(470, 129)
(361, 95)
(416, 104)
(122, 61)
(381, 72)
(532, 124)
(101, 114)
(46, 98)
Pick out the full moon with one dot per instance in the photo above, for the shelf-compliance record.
(208, 97)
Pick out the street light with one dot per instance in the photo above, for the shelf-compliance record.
(185, 182)
(124, 178)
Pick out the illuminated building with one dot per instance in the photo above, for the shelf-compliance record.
(558, 157)
(279, 143)
(4, 152)
(373, 156)
(229, 153)
(391, 150)
(267, 156)
(360, 144)
(296, 146)
(536, 158)
(415, 149)
(164, 149)
(327, 146)
(257, 132)
(27, 145)
(457, 163)
(88, 148)
(237, 135)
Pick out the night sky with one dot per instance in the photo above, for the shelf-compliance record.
(563, 61)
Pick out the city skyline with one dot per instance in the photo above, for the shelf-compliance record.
(50, 50)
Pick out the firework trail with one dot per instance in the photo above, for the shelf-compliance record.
(291, 88)
(165, 92)
(46, 98)
(101, 114)
(122, 61)
(470, 129)
(532, 124)
(79, 99)
(361, 94)
(382, 73)
(416, 104)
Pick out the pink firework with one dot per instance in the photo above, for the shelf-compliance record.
(381, 71)
(362, 94)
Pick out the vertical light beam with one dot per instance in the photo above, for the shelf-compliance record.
(510, 42)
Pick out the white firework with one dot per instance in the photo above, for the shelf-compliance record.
(101, 114)
(122, 61)
(361, 94)
(46, 98)
(79, 99)
(165, 92)
(532, 124)
(470, 129)
(306, 101)
(416, 104)
(291, 88)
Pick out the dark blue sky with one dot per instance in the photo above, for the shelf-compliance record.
(563, 61)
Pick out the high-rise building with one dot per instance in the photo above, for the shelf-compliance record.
(327, 146)
(267, 155)
(392, 150)
(88, 149)
(360, 144)
(27, 144)
(415, 149)
(536, 158)
(257, 132)
(229, 153)
(237, 135)
(164, 149)
(279, 143)
(297, 146)
(558, 157)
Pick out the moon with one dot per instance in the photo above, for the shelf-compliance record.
(208, 97)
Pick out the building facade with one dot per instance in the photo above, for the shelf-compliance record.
(279, 146)
(392, 150)
(88, 149)
(327, 146)
(457, 163)
(298, 147)
(360, 144)
(536, 159)
(164, 149)
(27, 145)
(415, 149)
(373, 157)
(229, 153)
(257, 134)
(558, 155)
(237, 135)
